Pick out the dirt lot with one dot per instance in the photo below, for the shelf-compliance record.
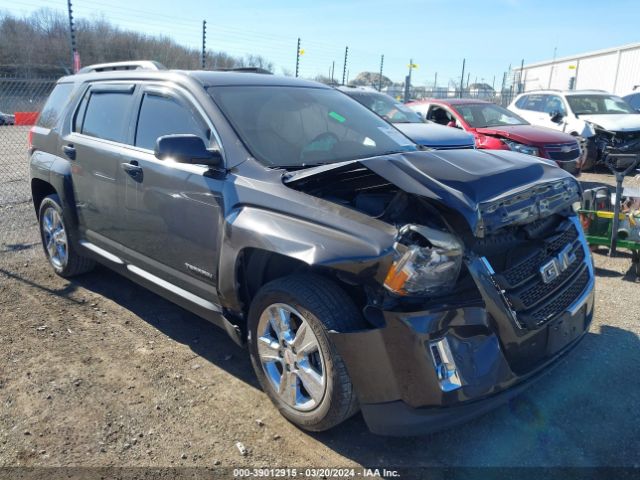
(98, 372)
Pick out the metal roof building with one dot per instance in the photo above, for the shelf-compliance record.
(615, 70)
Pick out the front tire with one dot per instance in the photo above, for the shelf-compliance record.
(60, 252)
(292, 354)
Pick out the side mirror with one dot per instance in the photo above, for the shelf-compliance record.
(556, 116)
(186, 148)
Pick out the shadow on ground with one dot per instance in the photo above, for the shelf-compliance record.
(583, 414)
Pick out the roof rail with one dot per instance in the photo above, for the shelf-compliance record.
(130, 65)
(244, 70)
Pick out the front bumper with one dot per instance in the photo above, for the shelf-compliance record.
(394, 376)
(393, 369)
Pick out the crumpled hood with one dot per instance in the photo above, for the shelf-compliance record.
(624, 122)
(489, 188)
(528, 134)
(436, 136)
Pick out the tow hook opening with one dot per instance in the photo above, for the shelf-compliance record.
(445, 365)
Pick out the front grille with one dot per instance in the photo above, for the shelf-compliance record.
(555, 152)
(530, 266)
(562, 301)
(534, 301)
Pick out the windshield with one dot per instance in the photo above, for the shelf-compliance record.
(598, 105)
(303, 126)
(386, 107)
(480, 115)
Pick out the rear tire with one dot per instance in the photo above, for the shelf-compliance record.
(292, 354)
(54, 232)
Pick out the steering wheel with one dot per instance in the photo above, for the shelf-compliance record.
(323, 143)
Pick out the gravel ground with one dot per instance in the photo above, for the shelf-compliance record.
(100, 372)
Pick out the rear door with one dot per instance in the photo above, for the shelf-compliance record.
(96, 145)
(172, 212)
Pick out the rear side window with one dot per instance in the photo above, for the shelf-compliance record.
(535, 103)
(520, 103)
(160, 115)
(55, 105)
(107, 115)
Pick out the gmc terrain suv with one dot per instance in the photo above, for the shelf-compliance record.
(421, 287)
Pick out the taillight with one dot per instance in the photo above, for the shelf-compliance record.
(30, 139)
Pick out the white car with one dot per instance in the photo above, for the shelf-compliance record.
(604, 120)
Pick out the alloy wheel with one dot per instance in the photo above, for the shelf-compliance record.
(291, 357)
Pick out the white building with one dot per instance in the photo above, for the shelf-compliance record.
(616, 70)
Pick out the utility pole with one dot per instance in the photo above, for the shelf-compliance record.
(333, 69)
(462, 77)
(553, 64)
(380, 77)
(344, 68)
(521, 82)
(204, 43)
(298, 57)
(407, 84)
(75, 58)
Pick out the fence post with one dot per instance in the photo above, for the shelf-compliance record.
(344, 68)
(298, 57)
(204, 43)
(75, 64)
(462, 76)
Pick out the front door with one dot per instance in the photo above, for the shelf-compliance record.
(172, 211)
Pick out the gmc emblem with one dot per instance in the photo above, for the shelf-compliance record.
(558, 264)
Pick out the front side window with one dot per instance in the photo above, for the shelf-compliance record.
(161, 115)
(107, 115)
(598, 105)
(554, 104)
(284, 126)
(440, 115)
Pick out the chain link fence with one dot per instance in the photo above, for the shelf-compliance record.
(21, 100)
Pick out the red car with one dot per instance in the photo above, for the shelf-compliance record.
(497, 128)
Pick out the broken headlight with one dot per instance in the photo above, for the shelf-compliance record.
(427, 262)
(522, 148)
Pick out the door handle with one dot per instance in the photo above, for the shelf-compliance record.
(69, 151)
(133, 170)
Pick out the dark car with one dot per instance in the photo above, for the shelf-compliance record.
(633, 99)
(497, 128)
(421, 287)
(424, 133)
(7, 119)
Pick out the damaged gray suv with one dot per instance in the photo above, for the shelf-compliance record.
(362, 272)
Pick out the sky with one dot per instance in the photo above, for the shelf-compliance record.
(436, 34)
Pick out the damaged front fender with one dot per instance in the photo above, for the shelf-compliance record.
(363, 250)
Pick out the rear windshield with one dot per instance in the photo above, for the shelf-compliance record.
(302, 126)
(55, 105)
(387, 107)
(483, 115)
